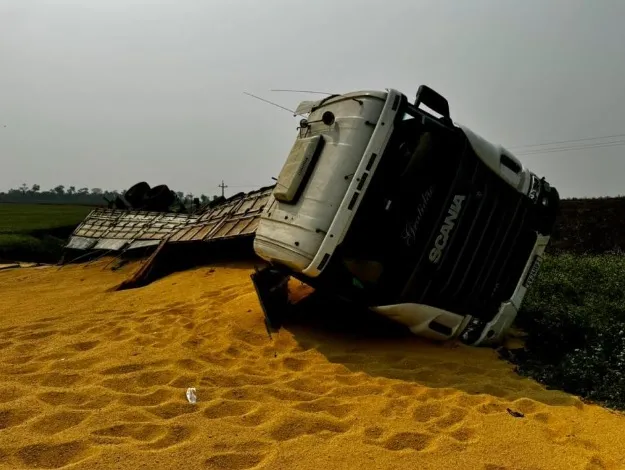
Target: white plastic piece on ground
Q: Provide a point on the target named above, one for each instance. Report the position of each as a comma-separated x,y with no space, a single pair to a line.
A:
191,396
417,317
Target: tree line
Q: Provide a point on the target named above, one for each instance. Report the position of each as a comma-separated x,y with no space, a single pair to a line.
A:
71,195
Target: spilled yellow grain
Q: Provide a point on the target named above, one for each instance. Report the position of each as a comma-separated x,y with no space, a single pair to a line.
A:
96,379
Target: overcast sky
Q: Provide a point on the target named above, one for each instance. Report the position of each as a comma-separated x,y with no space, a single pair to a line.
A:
105,93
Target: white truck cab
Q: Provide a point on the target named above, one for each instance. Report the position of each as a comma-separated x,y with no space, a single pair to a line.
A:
399,209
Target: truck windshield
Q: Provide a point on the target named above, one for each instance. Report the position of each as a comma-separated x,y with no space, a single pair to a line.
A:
395,208
414,137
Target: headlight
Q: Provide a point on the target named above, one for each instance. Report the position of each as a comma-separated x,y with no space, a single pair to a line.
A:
534,190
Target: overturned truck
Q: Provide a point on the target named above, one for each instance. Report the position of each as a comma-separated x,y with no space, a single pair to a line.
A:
383,202
391,205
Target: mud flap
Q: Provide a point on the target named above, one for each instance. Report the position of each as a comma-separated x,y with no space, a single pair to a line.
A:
271,288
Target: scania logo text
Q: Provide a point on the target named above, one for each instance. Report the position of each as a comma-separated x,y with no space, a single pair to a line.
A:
443,237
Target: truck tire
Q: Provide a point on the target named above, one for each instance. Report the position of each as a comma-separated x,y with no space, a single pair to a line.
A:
136,194
159,198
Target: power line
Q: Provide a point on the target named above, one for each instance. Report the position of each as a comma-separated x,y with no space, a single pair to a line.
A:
571,148
247,186
567,141
526,150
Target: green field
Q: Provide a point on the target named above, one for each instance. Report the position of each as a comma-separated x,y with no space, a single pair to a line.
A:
37,232
29,218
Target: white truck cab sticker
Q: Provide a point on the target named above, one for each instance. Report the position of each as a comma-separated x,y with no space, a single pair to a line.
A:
450,221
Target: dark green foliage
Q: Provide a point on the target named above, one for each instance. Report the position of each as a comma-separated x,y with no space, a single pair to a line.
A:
574,316
71,195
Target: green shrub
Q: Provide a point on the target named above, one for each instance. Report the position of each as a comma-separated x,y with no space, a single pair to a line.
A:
574,316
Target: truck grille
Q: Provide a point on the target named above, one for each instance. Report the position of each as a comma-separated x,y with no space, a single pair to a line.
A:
488,246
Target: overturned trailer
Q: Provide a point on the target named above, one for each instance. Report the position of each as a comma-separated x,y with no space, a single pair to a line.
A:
186,239
399,209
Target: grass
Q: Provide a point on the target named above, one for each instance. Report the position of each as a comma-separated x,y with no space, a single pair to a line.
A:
574,317
37,232
29,218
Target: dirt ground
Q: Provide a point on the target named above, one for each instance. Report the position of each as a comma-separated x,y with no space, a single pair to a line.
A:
94,379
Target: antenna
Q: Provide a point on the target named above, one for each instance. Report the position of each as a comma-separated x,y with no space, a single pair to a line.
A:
306,91
272,103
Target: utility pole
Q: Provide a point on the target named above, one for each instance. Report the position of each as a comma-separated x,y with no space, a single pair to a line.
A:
222,186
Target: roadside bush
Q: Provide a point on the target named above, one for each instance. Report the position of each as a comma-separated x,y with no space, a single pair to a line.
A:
574,317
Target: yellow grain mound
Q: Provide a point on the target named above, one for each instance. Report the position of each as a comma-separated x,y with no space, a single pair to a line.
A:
94,379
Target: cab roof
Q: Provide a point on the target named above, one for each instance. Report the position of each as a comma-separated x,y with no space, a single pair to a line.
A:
305,107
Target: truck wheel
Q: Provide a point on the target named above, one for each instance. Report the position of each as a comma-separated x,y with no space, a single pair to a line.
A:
159,198
135,195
